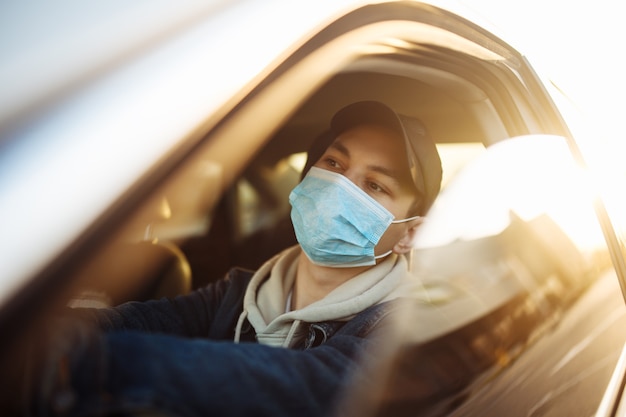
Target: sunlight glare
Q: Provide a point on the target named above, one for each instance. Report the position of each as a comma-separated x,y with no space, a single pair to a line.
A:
528,176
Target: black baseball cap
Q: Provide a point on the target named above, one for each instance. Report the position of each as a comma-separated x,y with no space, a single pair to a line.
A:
424,160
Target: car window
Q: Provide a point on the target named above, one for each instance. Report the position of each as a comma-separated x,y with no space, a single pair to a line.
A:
262,194
145,258
200,232
517,292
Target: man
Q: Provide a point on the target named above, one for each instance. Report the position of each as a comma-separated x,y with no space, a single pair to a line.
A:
355,215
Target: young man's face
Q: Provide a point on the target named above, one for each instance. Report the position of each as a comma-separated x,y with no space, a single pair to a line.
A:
374,158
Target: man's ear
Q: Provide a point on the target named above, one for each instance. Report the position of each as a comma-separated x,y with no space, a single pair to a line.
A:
405,244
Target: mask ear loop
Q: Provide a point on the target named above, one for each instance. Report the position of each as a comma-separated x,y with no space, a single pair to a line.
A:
406,220
409,255
382,255
410,259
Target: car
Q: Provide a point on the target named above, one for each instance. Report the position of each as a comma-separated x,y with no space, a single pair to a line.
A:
145,161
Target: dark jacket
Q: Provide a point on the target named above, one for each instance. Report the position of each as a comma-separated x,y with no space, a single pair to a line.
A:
212,312
171,355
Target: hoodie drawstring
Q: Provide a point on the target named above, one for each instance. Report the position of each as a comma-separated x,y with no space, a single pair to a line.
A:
292,332
242,317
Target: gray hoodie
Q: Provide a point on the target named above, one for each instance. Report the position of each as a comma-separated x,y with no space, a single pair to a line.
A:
265,300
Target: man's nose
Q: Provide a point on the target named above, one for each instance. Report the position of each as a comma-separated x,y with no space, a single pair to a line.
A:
354,176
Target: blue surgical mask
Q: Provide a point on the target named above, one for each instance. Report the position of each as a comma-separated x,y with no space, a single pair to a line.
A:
336,223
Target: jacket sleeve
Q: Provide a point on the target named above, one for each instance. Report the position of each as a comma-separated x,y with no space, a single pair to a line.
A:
189,315
252,379
191,377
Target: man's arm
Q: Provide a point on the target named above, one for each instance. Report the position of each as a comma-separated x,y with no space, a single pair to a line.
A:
189,315
91,372
128,372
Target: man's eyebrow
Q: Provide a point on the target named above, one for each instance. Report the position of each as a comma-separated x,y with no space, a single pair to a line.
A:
391,173
339,147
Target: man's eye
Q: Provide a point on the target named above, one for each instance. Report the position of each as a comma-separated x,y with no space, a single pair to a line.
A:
332,163
376,187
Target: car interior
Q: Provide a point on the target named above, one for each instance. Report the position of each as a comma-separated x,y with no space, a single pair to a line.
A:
221,202
198,235
221,206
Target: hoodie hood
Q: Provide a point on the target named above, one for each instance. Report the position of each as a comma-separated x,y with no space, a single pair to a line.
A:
266,297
